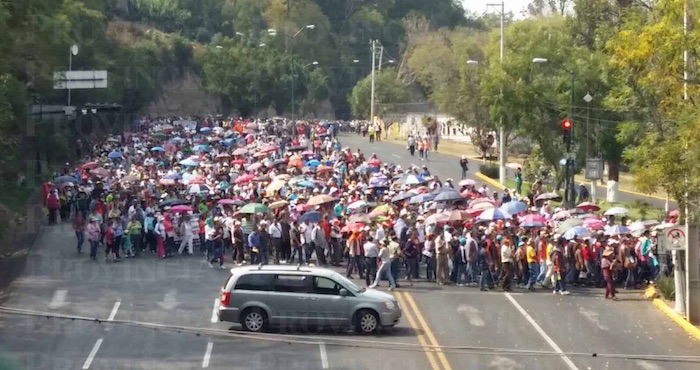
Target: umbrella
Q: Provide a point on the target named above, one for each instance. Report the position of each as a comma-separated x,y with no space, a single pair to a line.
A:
234,202
89,165
576,232
278,162
358,204
129,178
295,161
459,215
422,198
166,182
278,204
199,188
403,196
436,218
467,182
637,226
312,216
196,179
617,230
173,176
200,148
493,214
323,168
65,179
561,215
172,202
650,223
269,148
593,223
255,166
514,207
157,149
616,211
114,155
238,161
483,206
409,180
533,218
380,210
244,178
481,200
549,196
252,208
240,151
100,172
274,186
448,196
307,152
531,224
181,208
189,162
589,207
205,129
313,163
306,184
374,162
568,224
320,199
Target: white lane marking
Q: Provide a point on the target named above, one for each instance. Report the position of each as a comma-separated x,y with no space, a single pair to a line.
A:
207,355
113,314
59,299
504,363
593,317
324,355
92,354
395,155
472,314
646,365
539,329
169,300
214,316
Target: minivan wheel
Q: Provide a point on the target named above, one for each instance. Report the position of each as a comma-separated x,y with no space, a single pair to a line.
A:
254,320
366,322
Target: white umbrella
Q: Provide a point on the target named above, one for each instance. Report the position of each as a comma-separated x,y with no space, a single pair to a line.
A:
358,204
199,188
467,182
617,230
616,211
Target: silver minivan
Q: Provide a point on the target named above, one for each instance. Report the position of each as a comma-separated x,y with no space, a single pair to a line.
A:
262,296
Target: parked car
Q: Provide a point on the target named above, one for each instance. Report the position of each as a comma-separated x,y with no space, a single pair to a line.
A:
261,296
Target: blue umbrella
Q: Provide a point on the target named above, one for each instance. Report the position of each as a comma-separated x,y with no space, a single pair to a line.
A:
200,147
114,155
403,196
422,198
66,178
313,163
450,195
205,129
173,176
189,163
514,207
157,149
313,216
227,142
493,214
306,184
576,232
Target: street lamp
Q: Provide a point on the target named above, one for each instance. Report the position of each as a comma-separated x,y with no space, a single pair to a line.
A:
473,62
73,51
219,47
314,63
356,61
570,194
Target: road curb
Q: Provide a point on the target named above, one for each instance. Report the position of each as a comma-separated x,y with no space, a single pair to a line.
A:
689,328
490,180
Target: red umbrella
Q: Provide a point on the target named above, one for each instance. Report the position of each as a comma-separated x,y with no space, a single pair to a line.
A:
269,148
89,165
588,207
100,172
181,208
374,162
593,223
533,218
238,161
474,212
323,168
197,179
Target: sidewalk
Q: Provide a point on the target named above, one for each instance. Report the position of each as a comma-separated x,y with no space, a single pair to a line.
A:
458,149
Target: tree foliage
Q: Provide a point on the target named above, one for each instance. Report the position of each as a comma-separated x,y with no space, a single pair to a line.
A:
389,92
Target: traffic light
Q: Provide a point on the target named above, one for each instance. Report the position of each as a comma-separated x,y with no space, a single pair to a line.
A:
566,127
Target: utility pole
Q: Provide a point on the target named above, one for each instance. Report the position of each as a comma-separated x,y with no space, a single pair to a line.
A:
374,61
501,130
692,274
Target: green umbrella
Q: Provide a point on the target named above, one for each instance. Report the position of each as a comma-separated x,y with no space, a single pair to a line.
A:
568,224
159,135
252,208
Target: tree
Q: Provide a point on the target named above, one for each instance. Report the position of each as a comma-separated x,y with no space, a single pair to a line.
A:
389,92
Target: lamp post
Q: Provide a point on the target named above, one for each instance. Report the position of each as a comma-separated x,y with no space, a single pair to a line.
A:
569,195
501,130
273,32
72,52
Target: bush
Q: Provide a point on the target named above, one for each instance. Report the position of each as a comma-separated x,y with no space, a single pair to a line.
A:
489,170
666,287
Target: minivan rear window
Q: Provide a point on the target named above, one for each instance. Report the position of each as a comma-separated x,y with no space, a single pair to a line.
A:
254,282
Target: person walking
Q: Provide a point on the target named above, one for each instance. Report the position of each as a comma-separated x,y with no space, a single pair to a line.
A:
532,264
53,203
486,266
519,181
607,264
354,252
443,265
159,233
319,243
94,233
79,228
371,253
187,235
238,243
384,257
507,263
411,144
411,249
217,248
464,166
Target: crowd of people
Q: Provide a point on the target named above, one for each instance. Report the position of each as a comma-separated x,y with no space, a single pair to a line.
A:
288,192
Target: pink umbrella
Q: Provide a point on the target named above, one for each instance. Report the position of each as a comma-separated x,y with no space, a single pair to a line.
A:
269,148
181,208
588,207
307,152
474,212
374,162
593,223
533,218
481,200
244,178
240,151
561,215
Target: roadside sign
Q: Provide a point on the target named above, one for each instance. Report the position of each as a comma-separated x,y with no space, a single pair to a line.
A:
674,238
80,80
594,169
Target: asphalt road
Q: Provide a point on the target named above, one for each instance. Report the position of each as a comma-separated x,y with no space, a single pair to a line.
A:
156,314
447,165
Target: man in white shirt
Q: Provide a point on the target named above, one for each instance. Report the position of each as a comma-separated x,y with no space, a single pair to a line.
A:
385,268
275,231
371,254
306,238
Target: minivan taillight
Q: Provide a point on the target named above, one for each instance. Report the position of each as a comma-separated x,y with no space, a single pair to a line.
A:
225,298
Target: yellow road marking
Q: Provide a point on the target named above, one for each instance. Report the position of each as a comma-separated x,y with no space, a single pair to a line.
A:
419,333
426,329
